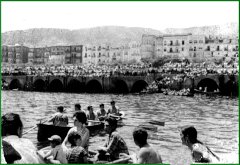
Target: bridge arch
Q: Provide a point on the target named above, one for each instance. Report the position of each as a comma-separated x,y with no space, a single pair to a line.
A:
56,85
209,83
94,86
75,86
39,85
15,84
139,85
119,86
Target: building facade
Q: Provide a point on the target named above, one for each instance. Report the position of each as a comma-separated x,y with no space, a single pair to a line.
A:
194,47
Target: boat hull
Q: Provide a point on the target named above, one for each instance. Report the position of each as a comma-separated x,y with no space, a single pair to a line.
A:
45,131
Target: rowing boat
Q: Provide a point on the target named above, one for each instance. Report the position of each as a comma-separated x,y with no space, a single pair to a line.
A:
45,130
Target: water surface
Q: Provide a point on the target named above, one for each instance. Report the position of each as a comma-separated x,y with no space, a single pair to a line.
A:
216,119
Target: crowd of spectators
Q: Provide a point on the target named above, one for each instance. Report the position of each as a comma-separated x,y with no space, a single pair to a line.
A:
189,70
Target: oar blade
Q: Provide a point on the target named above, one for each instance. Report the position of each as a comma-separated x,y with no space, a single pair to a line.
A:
148,127
160,123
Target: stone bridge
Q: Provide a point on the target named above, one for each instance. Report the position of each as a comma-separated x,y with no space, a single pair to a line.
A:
113,84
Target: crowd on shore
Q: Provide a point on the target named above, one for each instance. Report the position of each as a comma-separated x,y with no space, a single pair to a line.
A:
16,149
191,70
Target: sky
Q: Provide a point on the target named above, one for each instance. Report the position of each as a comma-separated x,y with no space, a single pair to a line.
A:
78,15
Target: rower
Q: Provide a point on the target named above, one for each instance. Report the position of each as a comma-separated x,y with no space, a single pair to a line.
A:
114,110
90,114
59,118
77,107
101,114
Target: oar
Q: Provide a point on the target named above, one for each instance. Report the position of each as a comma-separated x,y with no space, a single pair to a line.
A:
95,121
119,161
160,123
35,126
146,127
117,116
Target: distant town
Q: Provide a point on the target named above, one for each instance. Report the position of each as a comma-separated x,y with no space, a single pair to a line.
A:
196,48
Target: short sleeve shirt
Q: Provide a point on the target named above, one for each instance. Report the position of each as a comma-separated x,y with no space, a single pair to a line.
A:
116,145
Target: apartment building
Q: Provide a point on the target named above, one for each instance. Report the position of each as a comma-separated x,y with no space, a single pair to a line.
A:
148,46
175,45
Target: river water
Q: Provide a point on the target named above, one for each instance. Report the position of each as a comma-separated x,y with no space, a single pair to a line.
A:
216,119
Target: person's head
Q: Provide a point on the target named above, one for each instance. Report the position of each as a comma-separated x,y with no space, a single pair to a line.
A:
55,140
77,107
112,103
79,118
90,108
110,125
188,135
11,125
101,106
74,139
60,109
140,136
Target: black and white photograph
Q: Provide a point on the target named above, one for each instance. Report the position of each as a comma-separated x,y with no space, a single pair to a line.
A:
119,82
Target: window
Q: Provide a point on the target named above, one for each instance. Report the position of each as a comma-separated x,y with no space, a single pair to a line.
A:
170,50
190,41
200,41
165,49
195,41
165,42
99,55
86,55
182,49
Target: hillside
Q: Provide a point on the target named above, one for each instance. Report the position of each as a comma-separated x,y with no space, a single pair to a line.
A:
49,37
114,35
230,29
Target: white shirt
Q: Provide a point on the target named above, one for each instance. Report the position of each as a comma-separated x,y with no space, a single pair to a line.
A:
3,161
25,148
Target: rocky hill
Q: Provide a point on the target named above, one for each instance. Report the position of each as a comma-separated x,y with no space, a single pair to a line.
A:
230,29
114,35
49,37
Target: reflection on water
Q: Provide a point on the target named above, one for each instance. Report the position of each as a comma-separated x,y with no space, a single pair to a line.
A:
216,119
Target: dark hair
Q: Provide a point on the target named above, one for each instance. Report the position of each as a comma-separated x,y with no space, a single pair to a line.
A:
60,108
11,122
140,135
191,133
81,117
89,107
112,102
101,105
111,121
72,137
78,106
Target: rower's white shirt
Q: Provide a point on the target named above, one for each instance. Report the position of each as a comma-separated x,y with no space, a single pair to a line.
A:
25,148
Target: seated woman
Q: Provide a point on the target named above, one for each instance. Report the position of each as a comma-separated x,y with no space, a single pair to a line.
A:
76,154
200,152
80,120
